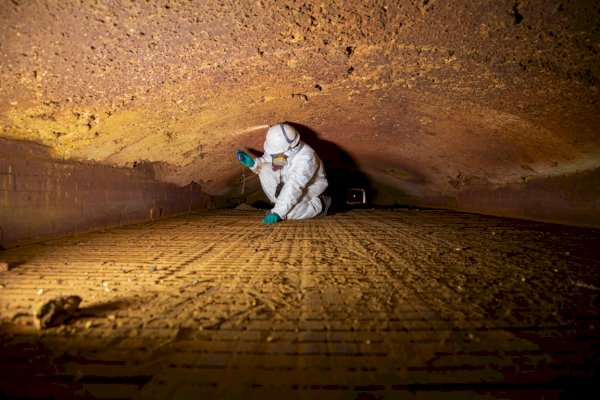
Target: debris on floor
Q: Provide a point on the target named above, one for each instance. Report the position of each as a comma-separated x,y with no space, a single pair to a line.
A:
56,311
245,207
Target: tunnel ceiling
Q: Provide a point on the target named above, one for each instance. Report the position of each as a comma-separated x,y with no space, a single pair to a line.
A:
427,97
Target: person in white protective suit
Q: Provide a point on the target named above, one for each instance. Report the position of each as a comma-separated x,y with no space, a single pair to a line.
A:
291,175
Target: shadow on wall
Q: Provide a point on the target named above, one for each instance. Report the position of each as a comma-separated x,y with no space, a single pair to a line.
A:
343,174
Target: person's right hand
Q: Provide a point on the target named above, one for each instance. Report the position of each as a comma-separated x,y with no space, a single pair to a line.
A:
245,158
271,219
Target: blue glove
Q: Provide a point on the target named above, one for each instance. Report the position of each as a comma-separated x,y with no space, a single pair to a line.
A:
245,159
271,219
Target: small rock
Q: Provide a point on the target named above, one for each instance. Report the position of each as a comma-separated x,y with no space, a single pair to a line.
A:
40,292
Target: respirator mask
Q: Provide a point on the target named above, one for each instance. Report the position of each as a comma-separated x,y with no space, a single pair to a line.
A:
278,161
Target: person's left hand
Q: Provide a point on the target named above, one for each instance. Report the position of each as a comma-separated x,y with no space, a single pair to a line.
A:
272,219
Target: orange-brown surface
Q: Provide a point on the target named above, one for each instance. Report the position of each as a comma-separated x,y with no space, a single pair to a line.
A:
486,106
433,100
361,305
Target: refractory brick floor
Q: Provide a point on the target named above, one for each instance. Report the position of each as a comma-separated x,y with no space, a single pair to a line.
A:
368,304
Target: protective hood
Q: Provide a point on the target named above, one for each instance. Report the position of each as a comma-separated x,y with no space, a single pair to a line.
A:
281,138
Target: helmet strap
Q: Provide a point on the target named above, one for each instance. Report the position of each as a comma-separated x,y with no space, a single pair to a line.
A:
287,139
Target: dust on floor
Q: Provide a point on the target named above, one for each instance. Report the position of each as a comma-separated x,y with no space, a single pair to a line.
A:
368,304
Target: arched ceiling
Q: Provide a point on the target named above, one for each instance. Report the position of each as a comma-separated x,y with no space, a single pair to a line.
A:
427,97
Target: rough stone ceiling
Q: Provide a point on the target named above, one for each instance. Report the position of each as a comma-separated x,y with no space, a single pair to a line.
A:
426,96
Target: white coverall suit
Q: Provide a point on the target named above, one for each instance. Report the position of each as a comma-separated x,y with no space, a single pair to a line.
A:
304,181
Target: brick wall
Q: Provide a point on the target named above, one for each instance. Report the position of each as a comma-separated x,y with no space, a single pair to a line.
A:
42,197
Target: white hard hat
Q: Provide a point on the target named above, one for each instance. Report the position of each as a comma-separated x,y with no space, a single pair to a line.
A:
281,138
